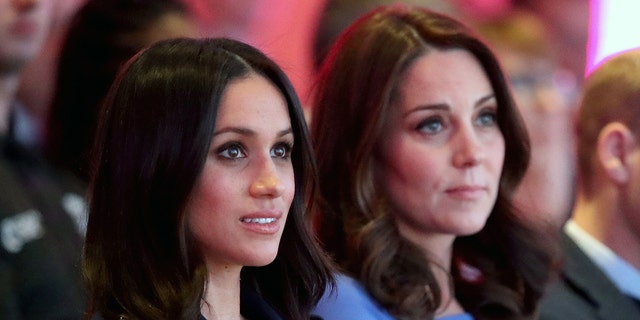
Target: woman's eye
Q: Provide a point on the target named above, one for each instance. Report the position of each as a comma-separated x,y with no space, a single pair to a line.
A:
282,150
431,125
487,119
233,151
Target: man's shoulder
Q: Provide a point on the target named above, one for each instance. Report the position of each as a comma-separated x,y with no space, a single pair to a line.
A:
583,291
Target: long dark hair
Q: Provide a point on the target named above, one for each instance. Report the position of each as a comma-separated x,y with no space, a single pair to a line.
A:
357,83
154,135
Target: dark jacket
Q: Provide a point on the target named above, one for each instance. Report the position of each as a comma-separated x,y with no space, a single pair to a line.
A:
40,243
584,292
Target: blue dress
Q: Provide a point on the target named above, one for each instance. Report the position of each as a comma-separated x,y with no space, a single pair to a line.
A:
351,301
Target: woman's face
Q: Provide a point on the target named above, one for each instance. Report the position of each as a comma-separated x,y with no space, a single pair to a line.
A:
239,206
442,155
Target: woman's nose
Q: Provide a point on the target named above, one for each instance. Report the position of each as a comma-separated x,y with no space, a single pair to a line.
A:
468,151
268,182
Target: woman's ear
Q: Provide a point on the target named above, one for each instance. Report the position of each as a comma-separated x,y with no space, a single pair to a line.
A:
615,144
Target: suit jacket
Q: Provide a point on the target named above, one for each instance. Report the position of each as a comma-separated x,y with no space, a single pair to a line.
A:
584,292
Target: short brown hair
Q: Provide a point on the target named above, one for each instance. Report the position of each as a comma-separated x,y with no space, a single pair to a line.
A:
611,94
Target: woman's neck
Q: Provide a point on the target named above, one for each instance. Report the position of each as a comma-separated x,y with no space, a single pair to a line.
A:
222,293
439,250
441,269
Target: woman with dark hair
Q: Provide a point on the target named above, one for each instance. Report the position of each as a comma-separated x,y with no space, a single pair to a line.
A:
420,149
203,171
102,36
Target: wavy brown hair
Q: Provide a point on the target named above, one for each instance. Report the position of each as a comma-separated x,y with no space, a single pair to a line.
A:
357,85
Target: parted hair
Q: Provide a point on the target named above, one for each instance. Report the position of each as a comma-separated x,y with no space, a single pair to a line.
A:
357,84
140,259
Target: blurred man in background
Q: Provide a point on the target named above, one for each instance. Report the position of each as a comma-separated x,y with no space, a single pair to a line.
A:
601,275
40,216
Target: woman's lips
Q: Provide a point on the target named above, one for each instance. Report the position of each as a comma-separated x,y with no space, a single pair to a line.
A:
467,192
263,223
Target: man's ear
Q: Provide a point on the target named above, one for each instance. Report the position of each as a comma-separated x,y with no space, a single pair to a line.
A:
615,143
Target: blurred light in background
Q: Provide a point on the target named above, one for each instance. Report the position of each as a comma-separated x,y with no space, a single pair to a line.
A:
614,27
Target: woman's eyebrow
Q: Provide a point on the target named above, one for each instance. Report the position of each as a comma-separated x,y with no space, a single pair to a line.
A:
423,107
248,132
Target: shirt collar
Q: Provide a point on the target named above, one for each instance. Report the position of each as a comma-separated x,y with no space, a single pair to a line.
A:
625,277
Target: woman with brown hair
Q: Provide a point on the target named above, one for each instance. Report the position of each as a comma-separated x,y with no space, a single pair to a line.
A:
420,149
